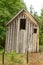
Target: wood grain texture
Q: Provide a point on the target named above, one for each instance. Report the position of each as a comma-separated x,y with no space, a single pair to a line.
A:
21,40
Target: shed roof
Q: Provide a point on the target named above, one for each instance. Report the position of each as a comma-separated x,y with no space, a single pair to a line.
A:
27,14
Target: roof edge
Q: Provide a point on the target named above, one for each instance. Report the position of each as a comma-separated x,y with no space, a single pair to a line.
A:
14,17
18,14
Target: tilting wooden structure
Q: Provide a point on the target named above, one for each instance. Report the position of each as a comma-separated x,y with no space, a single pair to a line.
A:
22,33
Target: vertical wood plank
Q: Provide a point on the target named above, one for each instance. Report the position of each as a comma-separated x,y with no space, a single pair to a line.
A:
38,38
17,46
9,39
13,36
14,33
6,40
29,36
9,44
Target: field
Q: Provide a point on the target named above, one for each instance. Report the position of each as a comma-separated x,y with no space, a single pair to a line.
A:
20,59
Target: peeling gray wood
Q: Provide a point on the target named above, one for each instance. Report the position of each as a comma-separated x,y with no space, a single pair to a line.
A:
21,40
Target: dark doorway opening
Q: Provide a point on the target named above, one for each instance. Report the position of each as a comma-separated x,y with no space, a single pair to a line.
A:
22,24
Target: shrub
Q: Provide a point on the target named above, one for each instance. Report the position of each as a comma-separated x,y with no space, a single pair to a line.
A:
41,48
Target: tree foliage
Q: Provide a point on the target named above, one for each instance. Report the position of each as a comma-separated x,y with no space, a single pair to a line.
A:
41,26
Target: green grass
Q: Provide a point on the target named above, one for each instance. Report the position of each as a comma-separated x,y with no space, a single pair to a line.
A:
12,58
1,51
41,48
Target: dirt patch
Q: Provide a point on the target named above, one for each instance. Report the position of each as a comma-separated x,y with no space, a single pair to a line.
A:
36,59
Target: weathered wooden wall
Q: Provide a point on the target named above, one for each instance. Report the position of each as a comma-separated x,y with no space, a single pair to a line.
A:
21,40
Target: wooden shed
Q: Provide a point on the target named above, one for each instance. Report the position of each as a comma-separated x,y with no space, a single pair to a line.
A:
22,33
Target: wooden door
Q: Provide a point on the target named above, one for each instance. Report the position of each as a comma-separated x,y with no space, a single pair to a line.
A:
22,41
